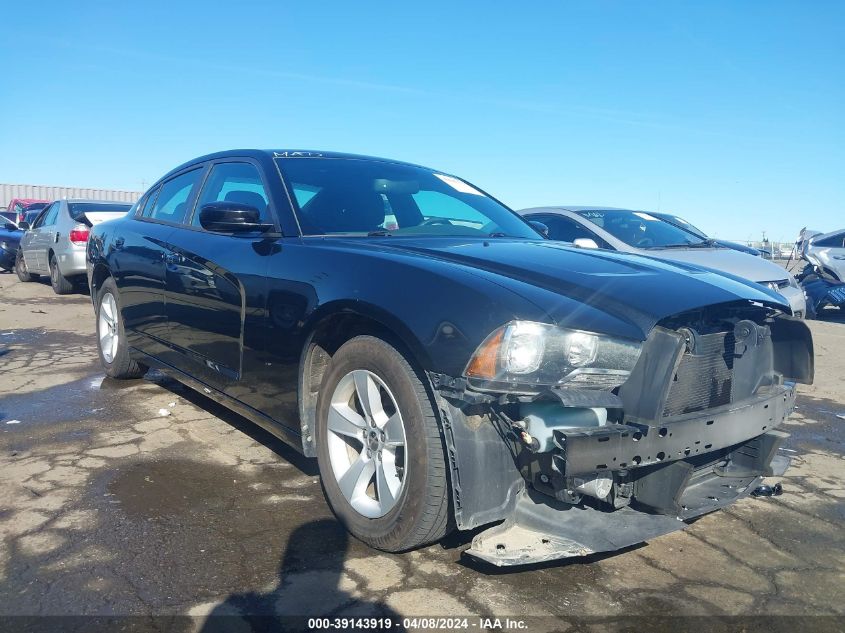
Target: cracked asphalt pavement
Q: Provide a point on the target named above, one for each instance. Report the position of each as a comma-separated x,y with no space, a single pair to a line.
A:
108,506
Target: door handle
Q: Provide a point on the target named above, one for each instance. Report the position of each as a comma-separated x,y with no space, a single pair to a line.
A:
172,258
57,236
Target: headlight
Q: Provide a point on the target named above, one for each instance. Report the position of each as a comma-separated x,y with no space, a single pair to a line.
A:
524,357
4,246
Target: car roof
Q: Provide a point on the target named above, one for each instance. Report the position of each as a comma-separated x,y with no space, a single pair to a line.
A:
570,207
281,153
91,201
823,236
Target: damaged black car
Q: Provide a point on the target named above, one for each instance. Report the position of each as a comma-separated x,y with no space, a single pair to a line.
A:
448,366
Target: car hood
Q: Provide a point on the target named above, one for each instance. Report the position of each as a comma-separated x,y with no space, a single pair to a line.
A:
10,236
634,290
725,260
742,248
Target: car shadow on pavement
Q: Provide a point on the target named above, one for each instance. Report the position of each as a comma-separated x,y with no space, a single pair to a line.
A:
312,583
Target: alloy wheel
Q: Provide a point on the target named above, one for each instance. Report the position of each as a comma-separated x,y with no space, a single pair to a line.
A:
366,443
107,327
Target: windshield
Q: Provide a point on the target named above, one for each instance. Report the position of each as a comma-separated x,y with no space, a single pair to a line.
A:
35,206
79,209
681,223
642,230
343,196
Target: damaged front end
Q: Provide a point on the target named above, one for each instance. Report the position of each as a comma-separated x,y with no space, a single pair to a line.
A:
630,440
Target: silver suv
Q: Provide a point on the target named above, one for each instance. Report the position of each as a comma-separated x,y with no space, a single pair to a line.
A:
55,243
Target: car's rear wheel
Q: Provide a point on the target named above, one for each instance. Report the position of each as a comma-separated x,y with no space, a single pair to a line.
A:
61,284
111,338
20,268
379,448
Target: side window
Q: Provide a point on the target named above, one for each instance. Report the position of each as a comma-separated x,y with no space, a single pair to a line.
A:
234,182
171,204
568,230
834,241
49,218
39,221
149,203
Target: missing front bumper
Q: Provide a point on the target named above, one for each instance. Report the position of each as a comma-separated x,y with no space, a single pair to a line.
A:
542,529
662,495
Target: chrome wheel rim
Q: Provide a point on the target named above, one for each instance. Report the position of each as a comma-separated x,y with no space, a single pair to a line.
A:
366,443
107,327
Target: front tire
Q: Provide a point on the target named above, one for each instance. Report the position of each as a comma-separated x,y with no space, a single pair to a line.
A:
111,338
21,270
379,448
61,284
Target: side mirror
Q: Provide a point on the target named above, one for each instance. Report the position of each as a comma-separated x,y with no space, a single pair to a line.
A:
231,217
541,228
585,242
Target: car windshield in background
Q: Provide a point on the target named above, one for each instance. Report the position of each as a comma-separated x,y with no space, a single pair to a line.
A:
350,196
681,223
642,230
79,209
36,206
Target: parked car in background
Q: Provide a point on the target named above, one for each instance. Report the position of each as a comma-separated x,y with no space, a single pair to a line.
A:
447,366
55,244
9,216
19,206
640,232
29,218
683,224
10,239
827,251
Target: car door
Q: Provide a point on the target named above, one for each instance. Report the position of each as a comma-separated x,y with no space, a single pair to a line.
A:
28,242
143,253
216,284
36,242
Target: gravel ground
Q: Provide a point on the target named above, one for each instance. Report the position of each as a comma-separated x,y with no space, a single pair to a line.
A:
109,508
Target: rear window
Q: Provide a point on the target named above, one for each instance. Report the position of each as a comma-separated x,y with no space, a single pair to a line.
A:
79,209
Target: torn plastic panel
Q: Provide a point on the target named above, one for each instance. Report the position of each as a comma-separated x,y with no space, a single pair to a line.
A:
690,431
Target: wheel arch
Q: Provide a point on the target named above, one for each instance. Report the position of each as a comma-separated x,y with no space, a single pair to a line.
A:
99,273
330,328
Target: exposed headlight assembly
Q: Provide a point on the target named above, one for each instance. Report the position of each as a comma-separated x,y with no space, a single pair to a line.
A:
524,356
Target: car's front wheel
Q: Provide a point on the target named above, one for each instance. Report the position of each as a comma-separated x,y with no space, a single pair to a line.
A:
20,268
111,337
379,448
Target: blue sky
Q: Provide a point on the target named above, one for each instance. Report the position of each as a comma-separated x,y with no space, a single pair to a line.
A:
731,114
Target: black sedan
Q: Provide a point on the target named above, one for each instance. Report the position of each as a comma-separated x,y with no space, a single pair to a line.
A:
446,365
10,239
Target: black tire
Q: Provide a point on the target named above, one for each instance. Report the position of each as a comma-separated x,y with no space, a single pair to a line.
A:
420,515
20,269
122,366
61,284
